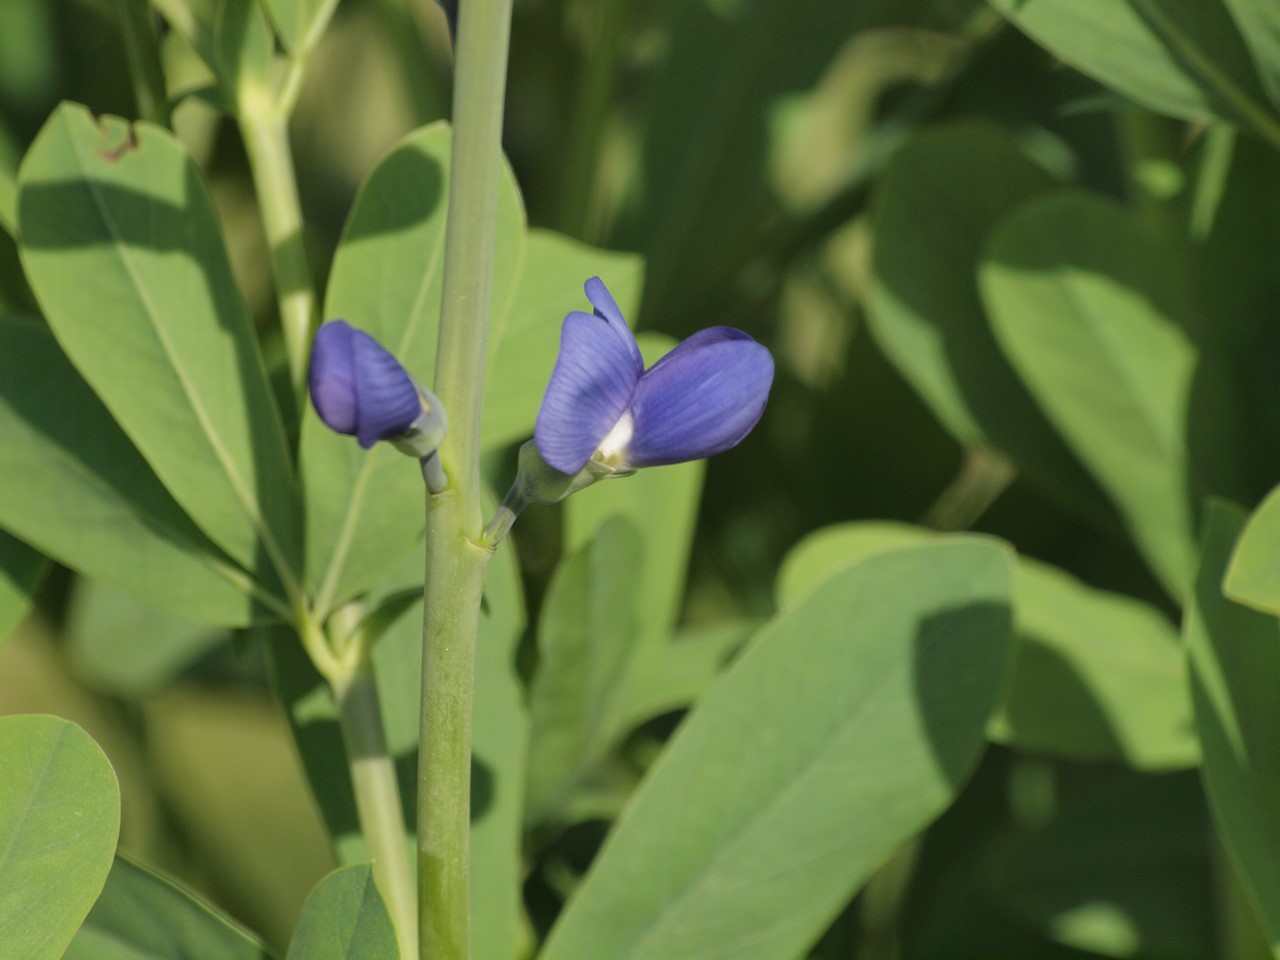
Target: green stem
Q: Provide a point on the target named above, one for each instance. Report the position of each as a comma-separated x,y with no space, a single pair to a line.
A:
265,127
454,584
456,564
373,774
141,49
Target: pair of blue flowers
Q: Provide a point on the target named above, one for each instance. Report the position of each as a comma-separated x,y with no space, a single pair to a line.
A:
603,414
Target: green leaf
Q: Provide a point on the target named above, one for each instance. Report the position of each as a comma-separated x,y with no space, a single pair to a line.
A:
1184,59
194,20
144,916
1235,671
1259,22
683,670
59,817
926,315
1094,675
828,550
586,639
848,724
21,570
526,341
345,919
121,243
127,649
364,508
76,489
1084,303
1121,870
1253,574
301,23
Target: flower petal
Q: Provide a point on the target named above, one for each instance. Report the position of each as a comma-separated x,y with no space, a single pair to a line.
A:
700,399
591,385
332,378
387,398
606,308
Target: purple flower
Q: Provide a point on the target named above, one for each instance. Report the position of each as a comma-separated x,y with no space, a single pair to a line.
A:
604,408
361,390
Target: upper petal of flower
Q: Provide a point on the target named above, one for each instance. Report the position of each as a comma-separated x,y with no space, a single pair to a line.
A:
358,387
700,399
591,386
606,308
332,378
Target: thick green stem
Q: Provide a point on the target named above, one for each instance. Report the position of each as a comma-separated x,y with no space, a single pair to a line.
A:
142,51
454,584
265,127
455,562
373,774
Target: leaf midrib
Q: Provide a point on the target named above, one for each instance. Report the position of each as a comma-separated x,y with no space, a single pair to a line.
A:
839,730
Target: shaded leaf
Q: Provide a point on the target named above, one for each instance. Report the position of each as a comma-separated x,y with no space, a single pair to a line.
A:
1085,305
345,919
21,570
144,916
1235,669
1184,59
586,638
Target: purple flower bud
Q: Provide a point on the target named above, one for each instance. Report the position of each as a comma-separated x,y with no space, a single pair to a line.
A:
361,390
603,407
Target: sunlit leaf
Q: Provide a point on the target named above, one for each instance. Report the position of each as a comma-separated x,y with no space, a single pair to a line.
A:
59,817
847,725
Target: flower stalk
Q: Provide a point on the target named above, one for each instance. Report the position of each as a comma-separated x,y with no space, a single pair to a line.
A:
373,777
455,561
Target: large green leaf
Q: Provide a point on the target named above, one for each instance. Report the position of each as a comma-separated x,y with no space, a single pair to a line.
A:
75,488
1185,59
926,314
1253,575
121,243
345,919
586,639
143,916
1094,675
21,570
1235,670
59,817
1087,308
847,725
364,508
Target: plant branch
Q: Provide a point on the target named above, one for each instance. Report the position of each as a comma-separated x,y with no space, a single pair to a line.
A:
455,563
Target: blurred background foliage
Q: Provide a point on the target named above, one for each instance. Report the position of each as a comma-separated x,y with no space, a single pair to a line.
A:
800,169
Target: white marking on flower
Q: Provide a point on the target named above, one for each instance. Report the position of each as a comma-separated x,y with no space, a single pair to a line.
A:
612,451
